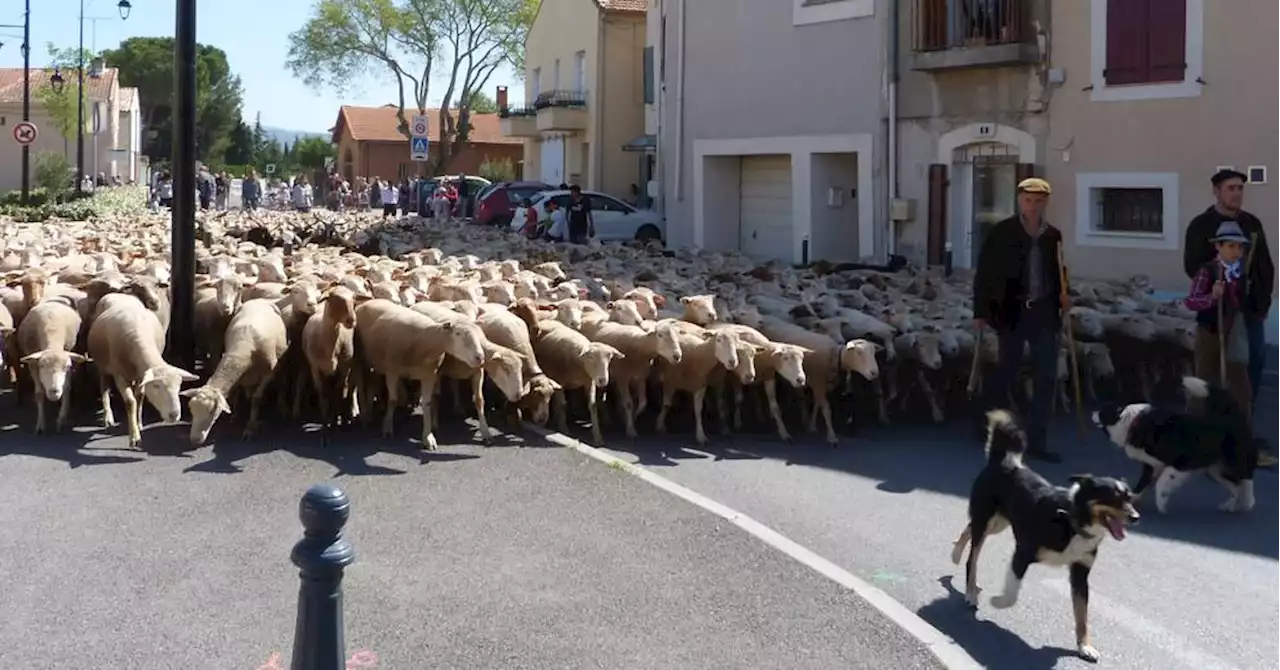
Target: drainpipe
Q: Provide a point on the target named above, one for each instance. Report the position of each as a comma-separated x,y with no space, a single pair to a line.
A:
891,192
659,203
679,171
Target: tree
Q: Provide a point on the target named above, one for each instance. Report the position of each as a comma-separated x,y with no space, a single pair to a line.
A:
147,63
311,152
53,174
241,149
481,103
60,106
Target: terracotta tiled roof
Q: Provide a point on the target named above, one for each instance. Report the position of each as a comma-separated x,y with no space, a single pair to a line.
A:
379,124
127,97
624,5
95,88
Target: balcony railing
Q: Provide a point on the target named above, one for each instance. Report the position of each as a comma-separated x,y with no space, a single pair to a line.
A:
957,24
569,99
517,112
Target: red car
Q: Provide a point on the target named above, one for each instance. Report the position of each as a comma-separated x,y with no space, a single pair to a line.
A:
498,203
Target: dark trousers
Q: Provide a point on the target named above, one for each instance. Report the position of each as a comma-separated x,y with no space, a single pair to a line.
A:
1040,329
1257,354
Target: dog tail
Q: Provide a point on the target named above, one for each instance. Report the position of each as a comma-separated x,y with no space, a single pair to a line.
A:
1195,387
1006,443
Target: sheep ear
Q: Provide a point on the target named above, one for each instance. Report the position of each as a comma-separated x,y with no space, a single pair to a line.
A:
148,377
184,375
223,404
189,393
80,358
685,300
31,358
806,352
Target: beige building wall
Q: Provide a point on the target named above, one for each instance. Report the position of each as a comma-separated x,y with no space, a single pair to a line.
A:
562,29
620,114
50,140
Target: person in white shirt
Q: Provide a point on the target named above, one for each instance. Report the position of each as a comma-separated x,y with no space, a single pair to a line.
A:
440,203
389,198
559,230
302,195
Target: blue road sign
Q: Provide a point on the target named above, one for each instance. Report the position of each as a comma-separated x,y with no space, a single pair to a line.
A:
418,148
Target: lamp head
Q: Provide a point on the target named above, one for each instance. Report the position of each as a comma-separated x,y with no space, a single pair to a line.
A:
125,7
56,81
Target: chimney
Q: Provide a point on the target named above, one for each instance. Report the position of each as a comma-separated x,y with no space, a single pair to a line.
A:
501,98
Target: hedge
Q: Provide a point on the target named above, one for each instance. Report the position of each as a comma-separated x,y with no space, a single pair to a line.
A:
117,201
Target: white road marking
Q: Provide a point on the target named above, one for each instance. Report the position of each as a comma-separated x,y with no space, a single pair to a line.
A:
948,652
1158,636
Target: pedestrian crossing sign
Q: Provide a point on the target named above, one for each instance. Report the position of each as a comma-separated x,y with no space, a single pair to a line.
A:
418,148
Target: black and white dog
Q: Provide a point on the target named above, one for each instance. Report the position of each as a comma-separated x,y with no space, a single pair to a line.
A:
1053,525
1212,435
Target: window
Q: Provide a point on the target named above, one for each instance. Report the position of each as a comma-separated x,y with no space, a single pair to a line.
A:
580,71
805,12
601,203
1128,210
536,82
662,52
648,76
1146,49
1257,174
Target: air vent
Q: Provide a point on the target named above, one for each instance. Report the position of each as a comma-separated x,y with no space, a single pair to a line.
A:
1257,174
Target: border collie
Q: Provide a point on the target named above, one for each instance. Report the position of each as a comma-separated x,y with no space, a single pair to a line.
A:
1054,525
1212,435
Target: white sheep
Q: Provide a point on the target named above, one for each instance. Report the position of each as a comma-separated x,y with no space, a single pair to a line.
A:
703,350
125,343
327,341
47,336
574,362
628,373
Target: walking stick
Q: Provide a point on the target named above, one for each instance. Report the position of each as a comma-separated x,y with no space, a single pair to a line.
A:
1071,345
1222,328
976,365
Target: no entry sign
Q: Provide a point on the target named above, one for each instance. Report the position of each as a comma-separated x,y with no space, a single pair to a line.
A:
25,133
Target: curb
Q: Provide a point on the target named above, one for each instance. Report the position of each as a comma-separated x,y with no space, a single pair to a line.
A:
946,650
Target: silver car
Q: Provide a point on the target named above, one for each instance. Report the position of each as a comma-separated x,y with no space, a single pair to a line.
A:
615,220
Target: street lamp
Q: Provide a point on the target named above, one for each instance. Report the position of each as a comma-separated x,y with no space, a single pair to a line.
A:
124,6
56,82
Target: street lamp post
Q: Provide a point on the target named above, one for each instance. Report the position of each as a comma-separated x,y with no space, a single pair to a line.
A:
182,231
26,97
125,7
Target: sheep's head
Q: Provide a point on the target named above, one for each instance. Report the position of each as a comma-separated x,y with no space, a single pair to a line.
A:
537,398
788,360
506,369
465,342
668,342
500,292
1086,323
700,309
271,269
550,270
1138,327
859,357
227,292
928,351
508,268
726,348
467,308
52,369
568,290
745,371
340,306
305,298
161,386
748,315
431,256
596,360
1098,361
525,287
646,301
206,404
569,312
625,312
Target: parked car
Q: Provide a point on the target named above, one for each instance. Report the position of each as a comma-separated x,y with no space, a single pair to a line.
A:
475,185
614,219
498,202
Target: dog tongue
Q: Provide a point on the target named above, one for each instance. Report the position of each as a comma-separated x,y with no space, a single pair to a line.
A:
1116,528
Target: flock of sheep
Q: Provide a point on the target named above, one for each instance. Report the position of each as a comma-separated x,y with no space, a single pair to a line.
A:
364,316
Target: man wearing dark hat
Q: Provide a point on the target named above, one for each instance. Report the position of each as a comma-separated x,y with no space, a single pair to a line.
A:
1259,273
1018,296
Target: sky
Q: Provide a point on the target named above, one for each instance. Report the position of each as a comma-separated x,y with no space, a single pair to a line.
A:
254,34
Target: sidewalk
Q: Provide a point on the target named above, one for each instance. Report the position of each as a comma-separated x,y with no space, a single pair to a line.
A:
504,557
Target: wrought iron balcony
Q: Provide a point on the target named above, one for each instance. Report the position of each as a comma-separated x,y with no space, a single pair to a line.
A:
518,121
954,34
517,112
563,99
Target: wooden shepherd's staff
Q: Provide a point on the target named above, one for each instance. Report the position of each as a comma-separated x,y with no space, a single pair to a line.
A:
1071,343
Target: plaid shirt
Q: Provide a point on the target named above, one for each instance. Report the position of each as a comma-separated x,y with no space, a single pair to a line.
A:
1201,297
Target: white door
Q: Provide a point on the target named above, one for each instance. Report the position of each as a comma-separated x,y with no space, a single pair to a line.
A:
552,167
764,208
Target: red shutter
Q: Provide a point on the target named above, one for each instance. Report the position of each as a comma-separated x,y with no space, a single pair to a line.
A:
937,236
1167,50
1128,30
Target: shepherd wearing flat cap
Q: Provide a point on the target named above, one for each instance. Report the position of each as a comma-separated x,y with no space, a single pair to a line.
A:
1018,294
1258,273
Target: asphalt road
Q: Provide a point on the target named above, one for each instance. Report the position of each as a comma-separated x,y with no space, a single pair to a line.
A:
1196,589
505,557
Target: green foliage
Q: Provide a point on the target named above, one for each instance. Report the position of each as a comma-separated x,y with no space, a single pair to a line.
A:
500,170
53,173
118,201
35,197
310,152
481,103
61,106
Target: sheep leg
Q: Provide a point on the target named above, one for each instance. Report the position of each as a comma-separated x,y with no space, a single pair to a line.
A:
824,405
638,391
699,397
130,412
668,396
65,409
428,431
39,395
739,393
477,399
627,405
255,406
882,407
1144,377
722,410
458,407
299,388
318,382
930,396
108,417
560,407
596,435
771,395
813,412
392,401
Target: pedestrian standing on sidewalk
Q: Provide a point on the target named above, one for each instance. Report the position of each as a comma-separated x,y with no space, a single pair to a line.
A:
250,191
464,199
1260,273
581,227
1018,297
1221,280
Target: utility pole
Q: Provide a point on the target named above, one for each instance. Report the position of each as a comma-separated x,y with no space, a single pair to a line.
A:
183,228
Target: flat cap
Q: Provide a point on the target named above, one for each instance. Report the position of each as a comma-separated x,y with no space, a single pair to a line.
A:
1034,185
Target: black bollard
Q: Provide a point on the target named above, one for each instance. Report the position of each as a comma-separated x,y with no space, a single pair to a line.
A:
321,556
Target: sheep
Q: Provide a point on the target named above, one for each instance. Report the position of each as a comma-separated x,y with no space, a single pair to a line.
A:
703,350
397,342
216,301
47,337
514,329
772,359
124,343
328,342
504,366
919,355
574,362
639,348
699,310
254,343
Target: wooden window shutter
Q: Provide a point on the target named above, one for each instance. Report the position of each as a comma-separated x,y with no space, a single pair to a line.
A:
1025,171
1128,37
935,248
1167,48
649,94
931,25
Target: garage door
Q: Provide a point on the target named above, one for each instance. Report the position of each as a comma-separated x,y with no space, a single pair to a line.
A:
765,208
552,168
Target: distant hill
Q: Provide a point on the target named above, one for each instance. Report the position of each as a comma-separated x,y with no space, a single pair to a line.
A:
284,135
